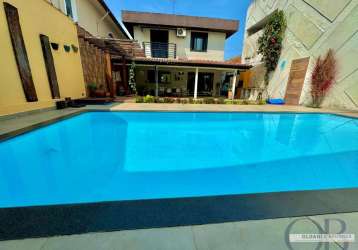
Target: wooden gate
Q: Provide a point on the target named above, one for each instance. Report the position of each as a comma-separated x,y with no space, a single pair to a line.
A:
296,80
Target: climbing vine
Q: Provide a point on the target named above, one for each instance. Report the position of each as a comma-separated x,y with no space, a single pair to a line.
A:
270,43
131,80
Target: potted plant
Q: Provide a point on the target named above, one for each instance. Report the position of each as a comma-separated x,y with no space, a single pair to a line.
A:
92,87
100,92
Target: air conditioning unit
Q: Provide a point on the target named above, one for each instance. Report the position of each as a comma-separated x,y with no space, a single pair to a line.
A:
181,32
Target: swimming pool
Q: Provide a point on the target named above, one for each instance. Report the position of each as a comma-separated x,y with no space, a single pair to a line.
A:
113,156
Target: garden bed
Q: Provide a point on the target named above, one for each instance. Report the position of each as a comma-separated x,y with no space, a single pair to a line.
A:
206,100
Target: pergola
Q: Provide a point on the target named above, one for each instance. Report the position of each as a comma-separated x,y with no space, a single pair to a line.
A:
226,66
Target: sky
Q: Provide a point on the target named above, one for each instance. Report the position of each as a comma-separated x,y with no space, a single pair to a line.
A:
231,9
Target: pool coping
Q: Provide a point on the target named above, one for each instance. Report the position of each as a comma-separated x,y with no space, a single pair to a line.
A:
54,220
37,125
16,132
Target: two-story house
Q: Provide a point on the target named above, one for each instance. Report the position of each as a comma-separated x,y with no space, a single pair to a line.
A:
184,55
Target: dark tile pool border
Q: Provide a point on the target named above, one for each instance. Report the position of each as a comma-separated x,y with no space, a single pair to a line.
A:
46,221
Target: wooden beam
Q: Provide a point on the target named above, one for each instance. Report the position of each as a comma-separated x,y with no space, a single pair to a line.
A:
109,77
124,73
50,66
19,48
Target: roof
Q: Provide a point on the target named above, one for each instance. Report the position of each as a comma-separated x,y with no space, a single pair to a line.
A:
116,47
131,18
191,63
236,59
114,19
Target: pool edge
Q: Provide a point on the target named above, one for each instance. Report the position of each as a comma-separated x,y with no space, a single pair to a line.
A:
8,135
46,221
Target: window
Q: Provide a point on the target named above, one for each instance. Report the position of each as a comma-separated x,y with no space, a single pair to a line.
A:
70,7
69,11
163,76
199,41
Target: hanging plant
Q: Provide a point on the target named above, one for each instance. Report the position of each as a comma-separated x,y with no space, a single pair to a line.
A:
270,43
323,77
131,81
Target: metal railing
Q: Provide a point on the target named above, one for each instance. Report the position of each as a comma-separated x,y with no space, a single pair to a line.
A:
160,50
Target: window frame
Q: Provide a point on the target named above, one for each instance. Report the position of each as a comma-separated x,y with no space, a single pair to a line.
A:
73,9
204,36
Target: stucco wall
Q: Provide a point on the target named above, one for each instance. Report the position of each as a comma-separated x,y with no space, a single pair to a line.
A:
89,14
215,50
59,29
314,26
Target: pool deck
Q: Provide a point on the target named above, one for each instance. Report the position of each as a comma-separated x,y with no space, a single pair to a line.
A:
244,235
15,124
127,106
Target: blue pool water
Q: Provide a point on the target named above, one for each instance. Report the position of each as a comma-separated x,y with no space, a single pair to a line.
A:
106,156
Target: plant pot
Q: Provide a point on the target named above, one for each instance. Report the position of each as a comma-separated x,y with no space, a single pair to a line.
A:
100,93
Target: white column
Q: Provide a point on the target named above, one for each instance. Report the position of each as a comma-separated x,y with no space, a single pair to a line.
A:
156,82
234,84
196,83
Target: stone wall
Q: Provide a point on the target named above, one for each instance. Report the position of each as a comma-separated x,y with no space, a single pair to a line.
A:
314,26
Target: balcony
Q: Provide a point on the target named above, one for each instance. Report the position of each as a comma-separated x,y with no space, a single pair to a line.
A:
160,50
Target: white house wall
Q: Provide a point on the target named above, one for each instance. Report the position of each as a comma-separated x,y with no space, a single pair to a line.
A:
215,49
314,26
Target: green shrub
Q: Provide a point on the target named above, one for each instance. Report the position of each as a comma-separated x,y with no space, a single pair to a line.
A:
149,99
159,100
139,99
228,101
191,100
177,100
168,100
209,100
261,102
198,101
184,101
220,100
245,102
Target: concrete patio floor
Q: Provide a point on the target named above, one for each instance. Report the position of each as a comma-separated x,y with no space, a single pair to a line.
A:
245,235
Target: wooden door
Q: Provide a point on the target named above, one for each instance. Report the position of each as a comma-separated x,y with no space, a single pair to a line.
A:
18,45
296,80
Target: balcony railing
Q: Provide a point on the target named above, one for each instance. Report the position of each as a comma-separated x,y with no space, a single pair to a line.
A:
160,50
